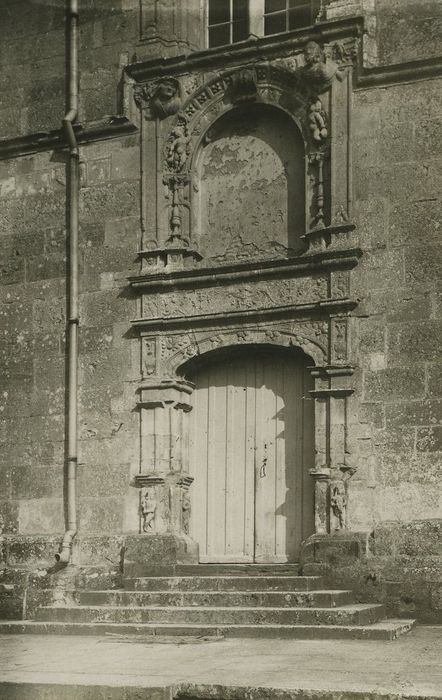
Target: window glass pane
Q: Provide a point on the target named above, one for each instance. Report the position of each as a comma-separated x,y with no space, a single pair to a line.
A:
274,5
240,10
219,11
220,35
273,24
301,17
299,3
240,30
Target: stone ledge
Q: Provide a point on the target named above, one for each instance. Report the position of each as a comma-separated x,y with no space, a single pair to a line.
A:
107,128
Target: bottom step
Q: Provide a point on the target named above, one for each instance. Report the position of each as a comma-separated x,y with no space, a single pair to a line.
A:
385,630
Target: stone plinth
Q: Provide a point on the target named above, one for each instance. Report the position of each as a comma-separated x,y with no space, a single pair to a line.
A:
146,554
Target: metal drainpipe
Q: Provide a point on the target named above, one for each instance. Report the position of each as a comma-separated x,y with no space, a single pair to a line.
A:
72,193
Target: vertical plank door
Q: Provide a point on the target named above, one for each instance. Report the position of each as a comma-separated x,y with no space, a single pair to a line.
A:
251,447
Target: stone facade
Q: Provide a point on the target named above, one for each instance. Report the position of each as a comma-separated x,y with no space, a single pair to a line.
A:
188,246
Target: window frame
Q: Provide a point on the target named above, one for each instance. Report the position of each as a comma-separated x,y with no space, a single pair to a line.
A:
256,19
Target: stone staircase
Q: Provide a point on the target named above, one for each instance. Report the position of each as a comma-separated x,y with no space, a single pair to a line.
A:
222,600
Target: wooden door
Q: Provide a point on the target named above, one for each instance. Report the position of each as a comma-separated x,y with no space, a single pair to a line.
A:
251,448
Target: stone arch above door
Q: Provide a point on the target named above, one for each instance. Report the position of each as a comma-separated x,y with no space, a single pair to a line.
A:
179,348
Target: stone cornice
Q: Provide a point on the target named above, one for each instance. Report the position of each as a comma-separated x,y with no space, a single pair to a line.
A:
224,318
106,128
398,73
250,50
220,275
266,48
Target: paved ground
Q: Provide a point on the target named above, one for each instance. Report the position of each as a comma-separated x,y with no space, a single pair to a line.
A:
411,665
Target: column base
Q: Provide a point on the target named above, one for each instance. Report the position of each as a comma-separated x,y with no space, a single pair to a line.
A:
156,554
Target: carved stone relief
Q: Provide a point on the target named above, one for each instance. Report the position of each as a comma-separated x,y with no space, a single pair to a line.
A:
318,71
148,508
339,336
236,297
298,88
244,86
148,356
338,503
162,98
340,284
310,336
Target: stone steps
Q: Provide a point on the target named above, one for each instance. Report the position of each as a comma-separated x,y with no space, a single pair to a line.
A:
237,569
238,582
230,600
386,630
262,599
213,615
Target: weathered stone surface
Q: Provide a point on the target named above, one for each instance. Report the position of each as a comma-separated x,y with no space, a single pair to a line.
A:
401,568
408,539
394,383
407,30
31,550
141,552
414,343
263,294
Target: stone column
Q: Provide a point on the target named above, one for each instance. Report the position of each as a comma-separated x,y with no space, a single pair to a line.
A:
331,469
163,481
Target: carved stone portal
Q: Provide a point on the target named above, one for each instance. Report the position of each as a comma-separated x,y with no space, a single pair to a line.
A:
213,279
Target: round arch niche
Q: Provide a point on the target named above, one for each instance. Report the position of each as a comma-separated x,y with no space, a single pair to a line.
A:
251,448
251,185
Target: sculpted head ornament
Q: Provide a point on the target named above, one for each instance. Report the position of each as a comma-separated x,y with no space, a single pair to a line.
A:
166,98
317,73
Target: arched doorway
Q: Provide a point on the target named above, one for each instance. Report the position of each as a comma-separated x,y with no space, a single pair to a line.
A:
251,446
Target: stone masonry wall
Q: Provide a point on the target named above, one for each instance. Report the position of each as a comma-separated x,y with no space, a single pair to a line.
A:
397,171
397,185
33,291
396,494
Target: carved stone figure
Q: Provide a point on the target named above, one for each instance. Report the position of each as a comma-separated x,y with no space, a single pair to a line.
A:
166,98
148,508
177,148
185,510
338,502
316,72
317,122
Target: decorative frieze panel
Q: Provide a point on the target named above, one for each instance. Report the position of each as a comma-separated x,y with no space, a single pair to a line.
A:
260,295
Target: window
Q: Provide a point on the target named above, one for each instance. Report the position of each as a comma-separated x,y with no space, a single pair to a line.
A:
284,15
230,21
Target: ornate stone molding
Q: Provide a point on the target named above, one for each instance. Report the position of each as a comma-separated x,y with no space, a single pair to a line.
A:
346,31
327,258
179,348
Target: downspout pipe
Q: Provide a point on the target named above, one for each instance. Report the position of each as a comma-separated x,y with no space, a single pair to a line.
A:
72,196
